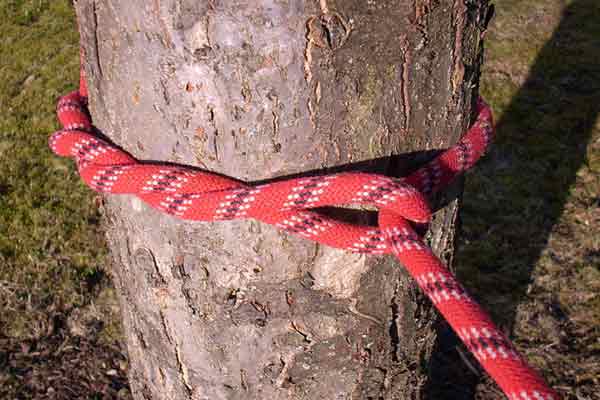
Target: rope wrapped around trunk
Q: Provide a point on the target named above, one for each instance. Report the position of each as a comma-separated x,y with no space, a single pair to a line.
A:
193,194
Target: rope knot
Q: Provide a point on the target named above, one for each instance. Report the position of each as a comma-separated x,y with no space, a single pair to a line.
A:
194,194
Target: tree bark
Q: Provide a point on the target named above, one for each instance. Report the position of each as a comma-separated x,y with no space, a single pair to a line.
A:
258,90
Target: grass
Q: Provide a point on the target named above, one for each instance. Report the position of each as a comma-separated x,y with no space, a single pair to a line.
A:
530,247
48,237
51,251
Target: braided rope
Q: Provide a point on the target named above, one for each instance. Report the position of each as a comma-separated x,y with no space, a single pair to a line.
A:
192,194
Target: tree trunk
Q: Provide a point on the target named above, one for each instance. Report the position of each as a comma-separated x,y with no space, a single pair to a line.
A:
257,90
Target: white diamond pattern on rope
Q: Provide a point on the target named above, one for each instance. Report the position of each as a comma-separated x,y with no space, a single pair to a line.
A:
304,224
236,204
106,178
306,193
373,243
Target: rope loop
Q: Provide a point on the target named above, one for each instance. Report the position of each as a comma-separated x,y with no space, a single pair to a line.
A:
193,194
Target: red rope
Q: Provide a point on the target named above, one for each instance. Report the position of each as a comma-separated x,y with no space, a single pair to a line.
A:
198,195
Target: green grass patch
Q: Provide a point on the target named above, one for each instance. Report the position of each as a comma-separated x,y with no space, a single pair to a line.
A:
50,249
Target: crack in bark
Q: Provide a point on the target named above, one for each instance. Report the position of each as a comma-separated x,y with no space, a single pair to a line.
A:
422,10
308,50
168,42
337,30
183,371
352,308
244,379
286,362
459,27
449,234
163,321
182,368
96,40
179,272
318,92
215,145
213,123
140,337
307,336
275,124
190,302
143,256
308,77
164,91
404,82
394,337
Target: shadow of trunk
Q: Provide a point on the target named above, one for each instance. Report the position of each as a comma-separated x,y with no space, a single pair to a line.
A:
519,192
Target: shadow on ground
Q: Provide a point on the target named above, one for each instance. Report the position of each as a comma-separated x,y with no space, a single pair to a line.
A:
515,198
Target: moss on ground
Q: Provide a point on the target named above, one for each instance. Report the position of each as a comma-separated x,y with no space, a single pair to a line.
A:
530,249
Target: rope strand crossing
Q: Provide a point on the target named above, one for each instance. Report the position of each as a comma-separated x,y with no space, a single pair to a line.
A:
192,194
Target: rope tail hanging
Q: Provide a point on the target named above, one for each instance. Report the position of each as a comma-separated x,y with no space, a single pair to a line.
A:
192,194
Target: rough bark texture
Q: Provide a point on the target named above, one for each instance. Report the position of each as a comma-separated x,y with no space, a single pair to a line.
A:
257,90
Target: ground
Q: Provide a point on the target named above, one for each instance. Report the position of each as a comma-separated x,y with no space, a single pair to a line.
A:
530,243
